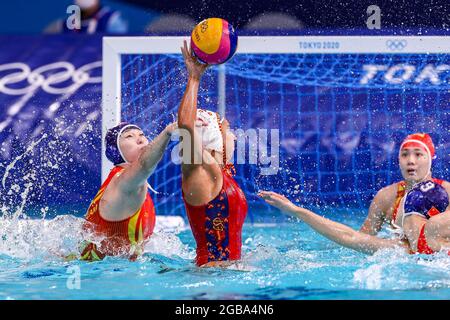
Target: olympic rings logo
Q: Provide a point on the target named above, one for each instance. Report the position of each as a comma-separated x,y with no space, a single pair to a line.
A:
51,78
396,44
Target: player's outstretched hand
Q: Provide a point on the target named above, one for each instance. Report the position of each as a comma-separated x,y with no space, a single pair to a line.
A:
170,128
193,66
279,201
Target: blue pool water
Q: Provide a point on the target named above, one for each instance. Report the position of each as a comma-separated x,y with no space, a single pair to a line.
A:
281,261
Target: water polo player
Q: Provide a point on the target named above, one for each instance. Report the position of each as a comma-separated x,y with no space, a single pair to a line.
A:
121,216
416,153
216,206
425,222
415,156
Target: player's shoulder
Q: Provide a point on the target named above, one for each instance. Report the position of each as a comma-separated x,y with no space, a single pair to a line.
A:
390,191
387,195
114,182
445,184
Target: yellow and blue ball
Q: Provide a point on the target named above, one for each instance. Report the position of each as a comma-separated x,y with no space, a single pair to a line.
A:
214,41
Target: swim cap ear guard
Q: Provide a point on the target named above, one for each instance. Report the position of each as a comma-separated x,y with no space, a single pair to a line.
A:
208,125
211,132
112,150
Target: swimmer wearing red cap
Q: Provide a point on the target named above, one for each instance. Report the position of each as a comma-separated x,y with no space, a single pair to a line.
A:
416,154
215,204
121,216
426,222
424,212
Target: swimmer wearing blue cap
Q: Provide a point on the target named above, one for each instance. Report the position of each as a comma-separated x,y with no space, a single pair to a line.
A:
122,213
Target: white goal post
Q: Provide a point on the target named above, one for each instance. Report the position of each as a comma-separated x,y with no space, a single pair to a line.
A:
114,47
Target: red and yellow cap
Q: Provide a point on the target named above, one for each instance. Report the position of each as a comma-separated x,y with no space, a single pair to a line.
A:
422,141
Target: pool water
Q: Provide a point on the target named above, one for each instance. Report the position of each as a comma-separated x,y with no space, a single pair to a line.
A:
280,261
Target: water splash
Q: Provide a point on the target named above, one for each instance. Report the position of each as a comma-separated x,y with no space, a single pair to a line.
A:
54,239
169,245
29,150
31,239
393,269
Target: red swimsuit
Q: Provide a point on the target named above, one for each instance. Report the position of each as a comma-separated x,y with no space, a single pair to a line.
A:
125,237
217,225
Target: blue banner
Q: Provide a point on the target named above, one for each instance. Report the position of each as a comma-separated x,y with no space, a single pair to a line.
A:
50,122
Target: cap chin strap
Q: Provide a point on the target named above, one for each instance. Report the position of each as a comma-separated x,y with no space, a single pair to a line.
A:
229,167
151,188
428,153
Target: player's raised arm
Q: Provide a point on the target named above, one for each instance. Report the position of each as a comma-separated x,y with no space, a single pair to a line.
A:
136,174
187,112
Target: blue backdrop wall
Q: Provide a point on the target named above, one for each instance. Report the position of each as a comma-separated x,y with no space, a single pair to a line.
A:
50,117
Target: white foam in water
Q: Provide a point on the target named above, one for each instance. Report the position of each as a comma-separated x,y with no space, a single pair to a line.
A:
440,261
168,245
164,240
383,270
29,239
303,260
260,253
198,284
369,278
392,269
170,223
54,239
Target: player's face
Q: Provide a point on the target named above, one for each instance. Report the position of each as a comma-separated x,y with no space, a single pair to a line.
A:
229,139
131,144
414,163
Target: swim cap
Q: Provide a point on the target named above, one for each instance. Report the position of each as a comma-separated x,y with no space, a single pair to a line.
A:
208,125
113,152
422,141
